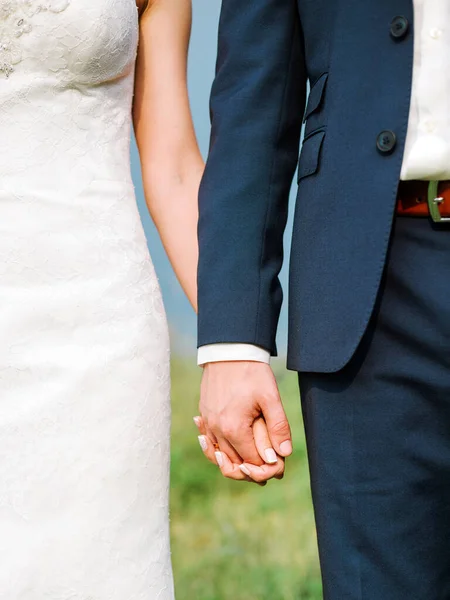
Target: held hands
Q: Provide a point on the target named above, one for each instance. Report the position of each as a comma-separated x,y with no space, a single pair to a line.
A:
243,427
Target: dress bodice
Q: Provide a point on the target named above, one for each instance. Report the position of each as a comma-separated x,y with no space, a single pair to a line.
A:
66,87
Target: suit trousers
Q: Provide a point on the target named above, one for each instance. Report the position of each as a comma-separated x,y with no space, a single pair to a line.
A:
378,435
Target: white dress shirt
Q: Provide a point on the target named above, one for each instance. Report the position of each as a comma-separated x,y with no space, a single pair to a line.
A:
427,148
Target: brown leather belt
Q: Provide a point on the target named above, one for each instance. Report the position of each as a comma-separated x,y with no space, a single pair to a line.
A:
424,199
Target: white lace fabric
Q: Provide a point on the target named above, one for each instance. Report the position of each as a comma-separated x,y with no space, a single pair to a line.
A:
84,353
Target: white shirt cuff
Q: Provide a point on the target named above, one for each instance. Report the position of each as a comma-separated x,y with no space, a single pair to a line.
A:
228,352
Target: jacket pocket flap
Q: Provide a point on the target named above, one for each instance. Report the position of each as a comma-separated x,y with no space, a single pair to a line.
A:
315,95
309,156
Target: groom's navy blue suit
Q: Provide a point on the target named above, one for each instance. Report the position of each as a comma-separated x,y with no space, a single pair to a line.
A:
369,296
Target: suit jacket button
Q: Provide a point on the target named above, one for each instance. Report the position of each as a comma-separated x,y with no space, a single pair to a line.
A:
399,27
386,141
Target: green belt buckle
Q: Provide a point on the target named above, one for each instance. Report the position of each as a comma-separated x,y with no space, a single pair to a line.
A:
433,203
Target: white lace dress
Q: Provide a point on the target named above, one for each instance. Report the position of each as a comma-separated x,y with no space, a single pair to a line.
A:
84,350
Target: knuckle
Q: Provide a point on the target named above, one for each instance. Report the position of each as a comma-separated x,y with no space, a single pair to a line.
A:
265,402
281,427
270,396
212,423
281,470
228,428
229,432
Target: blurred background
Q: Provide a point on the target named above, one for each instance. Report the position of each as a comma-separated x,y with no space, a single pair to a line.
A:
230,541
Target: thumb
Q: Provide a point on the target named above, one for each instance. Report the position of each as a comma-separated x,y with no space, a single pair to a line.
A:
262,441
277,426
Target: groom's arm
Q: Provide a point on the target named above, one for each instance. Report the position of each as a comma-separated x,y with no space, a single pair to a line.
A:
257,103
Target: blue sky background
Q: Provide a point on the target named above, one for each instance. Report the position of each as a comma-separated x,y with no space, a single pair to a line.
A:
202,58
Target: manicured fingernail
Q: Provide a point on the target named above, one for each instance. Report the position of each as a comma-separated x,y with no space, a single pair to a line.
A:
203,442
271,457
197,421
219,458
245,470
286,448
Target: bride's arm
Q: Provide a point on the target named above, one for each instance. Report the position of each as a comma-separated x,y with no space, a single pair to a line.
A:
171,162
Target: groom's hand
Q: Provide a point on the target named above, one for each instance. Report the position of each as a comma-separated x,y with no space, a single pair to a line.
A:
242,412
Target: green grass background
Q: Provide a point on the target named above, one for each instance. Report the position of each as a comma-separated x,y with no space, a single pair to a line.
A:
237,541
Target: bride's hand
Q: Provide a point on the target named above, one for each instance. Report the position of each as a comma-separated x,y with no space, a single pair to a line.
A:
244,471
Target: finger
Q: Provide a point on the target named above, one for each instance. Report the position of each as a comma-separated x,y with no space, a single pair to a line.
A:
264,473
211,454
228,468
232,440
210,445
223,444
263,443
232,470
277,425
228,449
206,433
210,451
267,454
243,442
208,448
201,425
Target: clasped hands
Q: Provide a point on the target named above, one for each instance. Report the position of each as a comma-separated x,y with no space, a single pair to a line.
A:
242,424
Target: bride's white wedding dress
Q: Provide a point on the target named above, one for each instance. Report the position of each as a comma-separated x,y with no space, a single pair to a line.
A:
84,351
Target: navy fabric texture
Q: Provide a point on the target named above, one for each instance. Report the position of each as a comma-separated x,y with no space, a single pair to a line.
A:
378,435
360,79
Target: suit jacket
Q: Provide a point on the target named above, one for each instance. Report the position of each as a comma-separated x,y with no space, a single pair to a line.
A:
358,58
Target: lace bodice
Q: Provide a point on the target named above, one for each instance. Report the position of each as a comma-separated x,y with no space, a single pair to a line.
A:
16,16
66,86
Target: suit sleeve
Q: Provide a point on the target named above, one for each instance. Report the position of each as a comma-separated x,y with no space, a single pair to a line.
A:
257,104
